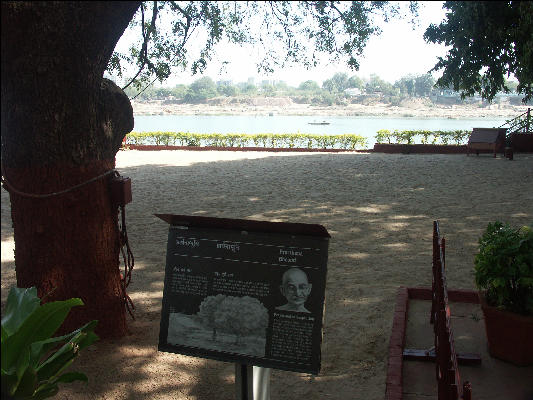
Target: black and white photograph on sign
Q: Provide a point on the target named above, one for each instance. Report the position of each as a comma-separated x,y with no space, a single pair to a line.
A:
223,323
296,288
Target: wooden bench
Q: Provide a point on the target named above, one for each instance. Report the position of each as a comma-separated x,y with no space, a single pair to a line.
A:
486,139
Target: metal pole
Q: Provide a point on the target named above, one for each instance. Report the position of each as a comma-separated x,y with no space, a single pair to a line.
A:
528,120
262,383
244,382
252,383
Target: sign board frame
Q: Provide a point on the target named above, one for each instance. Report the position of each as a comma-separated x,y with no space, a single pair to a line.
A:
224,276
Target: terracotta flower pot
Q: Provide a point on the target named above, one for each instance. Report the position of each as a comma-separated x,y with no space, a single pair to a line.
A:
509,335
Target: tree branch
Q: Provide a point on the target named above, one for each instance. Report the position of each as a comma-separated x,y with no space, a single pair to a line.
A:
189,19
146,39
185,38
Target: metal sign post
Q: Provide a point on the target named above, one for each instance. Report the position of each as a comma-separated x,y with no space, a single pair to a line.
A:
261,380
252,383
244,382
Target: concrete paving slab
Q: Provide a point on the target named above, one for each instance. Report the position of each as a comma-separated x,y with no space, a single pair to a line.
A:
492,380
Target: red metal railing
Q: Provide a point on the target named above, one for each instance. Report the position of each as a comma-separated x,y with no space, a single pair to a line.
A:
447,371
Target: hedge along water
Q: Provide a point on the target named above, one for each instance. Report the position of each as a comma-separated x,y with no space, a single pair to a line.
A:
294,140
268,140
366,126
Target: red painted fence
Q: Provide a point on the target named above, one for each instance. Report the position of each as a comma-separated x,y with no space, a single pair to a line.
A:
447,371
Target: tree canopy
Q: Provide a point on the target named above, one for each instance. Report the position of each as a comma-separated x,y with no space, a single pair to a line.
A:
489,40
184,34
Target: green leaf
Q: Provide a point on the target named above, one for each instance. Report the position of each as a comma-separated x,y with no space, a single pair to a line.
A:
9,380
21,302
4,334
45,391
40,325
66,354
60,359
23,362
41,348
27,384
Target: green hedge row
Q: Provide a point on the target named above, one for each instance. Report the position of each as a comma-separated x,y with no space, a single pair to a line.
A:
426,137
270,140
295,140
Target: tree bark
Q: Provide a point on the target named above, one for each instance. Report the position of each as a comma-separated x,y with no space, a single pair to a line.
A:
62,124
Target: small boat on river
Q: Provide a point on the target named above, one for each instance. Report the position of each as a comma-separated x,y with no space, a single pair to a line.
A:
318,123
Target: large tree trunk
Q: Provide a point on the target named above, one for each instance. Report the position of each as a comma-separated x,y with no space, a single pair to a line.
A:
62,124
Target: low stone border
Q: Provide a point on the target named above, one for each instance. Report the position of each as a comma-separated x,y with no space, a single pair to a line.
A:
394,386
378,148
522,142
420,148
216,148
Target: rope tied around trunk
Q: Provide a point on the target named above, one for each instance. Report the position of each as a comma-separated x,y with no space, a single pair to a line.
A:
10,188
125,248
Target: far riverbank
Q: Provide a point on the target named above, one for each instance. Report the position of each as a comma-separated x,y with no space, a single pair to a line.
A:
284,106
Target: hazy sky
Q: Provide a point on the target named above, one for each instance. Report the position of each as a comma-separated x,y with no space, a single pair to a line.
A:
397,52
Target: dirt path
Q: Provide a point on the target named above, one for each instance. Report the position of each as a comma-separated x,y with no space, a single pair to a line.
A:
378,209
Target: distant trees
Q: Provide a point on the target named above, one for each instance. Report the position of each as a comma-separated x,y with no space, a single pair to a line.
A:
309,86
415,86
201,90
333,90
247,88
378,85
423,85
268,90
240,316
179,91
337,83
227,90
406,85
355,82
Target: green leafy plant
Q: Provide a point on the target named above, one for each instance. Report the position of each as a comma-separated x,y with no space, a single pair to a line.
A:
270,140
34,362
426,137
383,135
504,267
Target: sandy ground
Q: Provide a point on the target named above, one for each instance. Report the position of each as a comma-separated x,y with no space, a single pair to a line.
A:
417,108
378,209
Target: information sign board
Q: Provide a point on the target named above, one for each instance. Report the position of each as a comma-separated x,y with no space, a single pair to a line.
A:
250,292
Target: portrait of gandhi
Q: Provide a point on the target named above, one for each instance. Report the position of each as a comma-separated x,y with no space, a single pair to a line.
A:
296,288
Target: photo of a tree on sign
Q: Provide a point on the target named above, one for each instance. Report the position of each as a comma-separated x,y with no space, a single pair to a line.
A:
208,312
241,316
223,323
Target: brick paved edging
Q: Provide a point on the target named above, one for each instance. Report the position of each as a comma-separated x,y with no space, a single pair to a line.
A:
394,387
378,148
216,148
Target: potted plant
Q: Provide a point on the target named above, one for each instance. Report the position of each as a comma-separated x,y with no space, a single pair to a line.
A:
504,276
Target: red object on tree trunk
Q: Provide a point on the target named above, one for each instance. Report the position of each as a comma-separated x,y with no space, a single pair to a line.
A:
68,244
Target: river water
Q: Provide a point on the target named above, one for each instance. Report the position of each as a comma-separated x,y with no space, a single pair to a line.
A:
366,126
